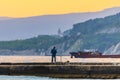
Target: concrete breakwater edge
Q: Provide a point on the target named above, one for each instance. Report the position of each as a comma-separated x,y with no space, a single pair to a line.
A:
63,70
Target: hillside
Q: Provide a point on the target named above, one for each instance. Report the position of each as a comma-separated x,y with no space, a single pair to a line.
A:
100,34
36,45
40,45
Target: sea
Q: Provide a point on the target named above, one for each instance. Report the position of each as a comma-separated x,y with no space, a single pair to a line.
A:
5,77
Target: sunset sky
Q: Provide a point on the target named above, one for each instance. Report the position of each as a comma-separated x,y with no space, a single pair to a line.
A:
26,8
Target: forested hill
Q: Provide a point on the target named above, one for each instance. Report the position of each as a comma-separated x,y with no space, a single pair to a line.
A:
40,42
100,34
99,25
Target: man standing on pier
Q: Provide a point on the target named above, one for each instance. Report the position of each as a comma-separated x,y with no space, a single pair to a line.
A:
53,52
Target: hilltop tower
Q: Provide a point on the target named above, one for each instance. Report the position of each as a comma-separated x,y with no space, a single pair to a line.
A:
60,32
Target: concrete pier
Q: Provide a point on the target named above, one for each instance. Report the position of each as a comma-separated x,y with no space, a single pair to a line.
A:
63,70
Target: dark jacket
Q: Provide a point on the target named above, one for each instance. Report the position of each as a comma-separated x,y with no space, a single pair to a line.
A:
53,51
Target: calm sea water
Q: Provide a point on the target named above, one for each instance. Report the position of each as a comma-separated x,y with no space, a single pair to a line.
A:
4,77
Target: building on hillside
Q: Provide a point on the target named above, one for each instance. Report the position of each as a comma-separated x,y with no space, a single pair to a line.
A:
60,33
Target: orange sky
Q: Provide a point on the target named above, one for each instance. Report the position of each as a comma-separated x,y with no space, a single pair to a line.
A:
26,8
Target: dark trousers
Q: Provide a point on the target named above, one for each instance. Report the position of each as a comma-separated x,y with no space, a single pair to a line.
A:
53,58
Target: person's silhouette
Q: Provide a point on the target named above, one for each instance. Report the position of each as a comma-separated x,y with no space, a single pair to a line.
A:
53,52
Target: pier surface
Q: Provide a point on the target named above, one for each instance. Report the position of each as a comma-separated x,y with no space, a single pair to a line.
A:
62,70
68,68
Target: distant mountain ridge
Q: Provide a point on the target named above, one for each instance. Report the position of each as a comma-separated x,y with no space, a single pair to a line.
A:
5,18
23,28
